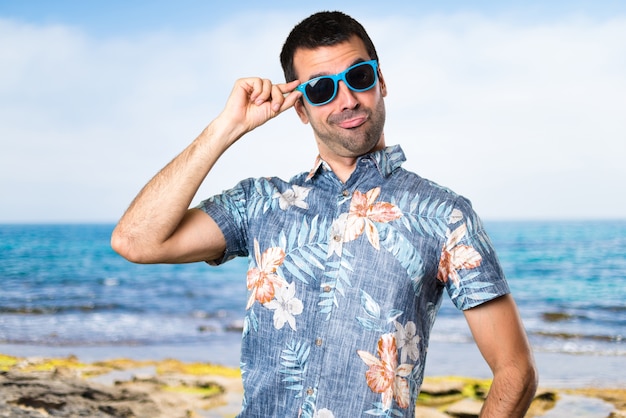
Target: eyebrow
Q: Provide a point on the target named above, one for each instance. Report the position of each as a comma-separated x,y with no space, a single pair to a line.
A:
355,62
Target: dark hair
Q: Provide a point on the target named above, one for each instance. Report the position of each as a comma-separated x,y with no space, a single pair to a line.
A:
322,29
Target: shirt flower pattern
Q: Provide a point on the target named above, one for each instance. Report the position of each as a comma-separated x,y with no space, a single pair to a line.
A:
293,197
385,376
348,277
455,256
365,211
407,340
285,306
263,280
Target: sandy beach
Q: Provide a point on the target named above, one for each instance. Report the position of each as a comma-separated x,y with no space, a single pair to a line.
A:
97,383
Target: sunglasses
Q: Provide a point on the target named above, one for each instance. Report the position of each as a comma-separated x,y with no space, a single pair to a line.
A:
322,90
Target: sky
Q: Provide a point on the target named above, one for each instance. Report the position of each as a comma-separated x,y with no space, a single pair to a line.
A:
518,105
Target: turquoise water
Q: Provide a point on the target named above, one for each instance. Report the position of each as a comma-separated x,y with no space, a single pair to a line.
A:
62,285
569,279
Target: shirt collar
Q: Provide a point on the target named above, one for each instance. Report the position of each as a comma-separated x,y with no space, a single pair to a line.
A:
386,160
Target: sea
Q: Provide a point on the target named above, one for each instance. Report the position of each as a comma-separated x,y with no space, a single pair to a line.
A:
64,291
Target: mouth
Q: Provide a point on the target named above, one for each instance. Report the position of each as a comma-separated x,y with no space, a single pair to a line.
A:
352,121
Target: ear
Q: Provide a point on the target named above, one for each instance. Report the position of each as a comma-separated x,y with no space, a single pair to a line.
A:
301,110
382,84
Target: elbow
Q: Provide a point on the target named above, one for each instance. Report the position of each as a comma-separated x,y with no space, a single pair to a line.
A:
126,246
527,376
529,372
532,378
528,382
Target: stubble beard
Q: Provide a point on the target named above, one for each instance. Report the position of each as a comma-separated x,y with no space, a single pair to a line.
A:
352,142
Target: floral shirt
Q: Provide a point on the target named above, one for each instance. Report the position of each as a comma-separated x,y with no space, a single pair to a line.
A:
345,280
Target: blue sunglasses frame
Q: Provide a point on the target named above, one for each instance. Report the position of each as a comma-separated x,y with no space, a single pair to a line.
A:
339,77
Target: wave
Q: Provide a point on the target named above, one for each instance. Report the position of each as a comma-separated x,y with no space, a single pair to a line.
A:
577,336
60,309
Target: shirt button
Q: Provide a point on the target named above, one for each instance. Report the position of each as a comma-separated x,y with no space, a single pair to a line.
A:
345,193
326,289
337,238
309,391
318,342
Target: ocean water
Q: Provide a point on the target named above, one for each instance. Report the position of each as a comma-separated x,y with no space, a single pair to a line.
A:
63,286
569,281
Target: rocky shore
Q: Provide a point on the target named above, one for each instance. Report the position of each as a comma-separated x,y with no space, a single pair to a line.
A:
66,387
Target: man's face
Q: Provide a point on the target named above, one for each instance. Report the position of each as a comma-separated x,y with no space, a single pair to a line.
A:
352,123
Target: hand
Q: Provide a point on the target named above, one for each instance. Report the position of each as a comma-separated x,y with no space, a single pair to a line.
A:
254,101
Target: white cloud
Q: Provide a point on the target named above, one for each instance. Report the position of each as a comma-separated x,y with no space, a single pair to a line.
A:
525,120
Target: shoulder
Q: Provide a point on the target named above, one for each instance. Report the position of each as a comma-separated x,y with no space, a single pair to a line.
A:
257,186
422,194
417,183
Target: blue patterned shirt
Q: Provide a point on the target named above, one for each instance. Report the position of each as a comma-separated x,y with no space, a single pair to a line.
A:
345,280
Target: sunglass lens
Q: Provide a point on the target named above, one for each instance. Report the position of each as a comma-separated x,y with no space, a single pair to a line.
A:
320,90
361,77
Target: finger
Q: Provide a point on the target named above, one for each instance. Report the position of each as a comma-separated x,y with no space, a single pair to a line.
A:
279,94
255,86
288,96
290,99
288,87
265,92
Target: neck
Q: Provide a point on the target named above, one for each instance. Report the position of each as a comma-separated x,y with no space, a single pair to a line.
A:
344,166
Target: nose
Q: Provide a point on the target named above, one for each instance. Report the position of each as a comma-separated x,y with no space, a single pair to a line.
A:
346,98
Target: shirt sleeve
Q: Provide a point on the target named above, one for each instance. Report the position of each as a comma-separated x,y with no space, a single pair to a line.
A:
228,210
469,266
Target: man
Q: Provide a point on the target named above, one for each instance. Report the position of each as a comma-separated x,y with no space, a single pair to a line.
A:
348,262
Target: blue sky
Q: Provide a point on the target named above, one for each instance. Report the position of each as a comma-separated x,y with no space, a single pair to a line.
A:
517,105
170,13
123,18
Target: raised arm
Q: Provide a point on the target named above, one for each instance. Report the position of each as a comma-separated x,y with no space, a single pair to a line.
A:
159,227
500,336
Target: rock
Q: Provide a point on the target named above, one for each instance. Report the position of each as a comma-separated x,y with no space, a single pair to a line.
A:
546,395
466,408
544,400
121,388
425,412
35,395
442,387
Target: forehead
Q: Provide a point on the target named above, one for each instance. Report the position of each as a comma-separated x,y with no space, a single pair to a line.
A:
310,63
